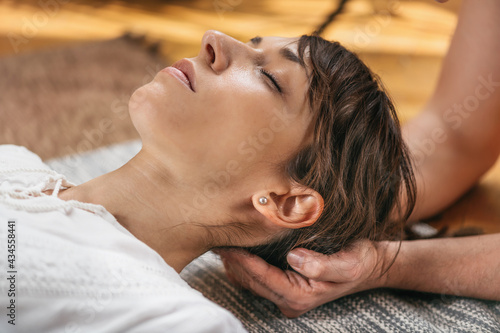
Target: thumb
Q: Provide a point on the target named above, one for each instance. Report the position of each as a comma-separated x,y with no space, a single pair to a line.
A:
321,267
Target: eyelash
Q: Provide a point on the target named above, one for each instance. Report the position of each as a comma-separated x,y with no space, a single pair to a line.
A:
272,78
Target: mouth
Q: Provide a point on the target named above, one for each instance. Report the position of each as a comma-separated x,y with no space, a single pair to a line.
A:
183,70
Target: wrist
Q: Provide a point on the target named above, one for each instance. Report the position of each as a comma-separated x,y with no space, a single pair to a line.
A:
388,253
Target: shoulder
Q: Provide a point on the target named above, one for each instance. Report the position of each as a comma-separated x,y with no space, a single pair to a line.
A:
187,312
15,153
119,305
212,318
23,173
15,160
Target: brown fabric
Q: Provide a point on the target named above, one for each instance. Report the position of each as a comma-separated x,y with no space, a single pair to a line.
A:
73,99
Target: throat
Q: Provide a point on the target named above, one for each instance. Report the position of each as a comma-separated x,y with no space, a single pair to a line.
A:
138,196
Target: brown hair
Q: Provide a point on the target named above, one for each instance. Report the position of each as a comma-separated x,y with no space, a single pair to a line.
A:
357,160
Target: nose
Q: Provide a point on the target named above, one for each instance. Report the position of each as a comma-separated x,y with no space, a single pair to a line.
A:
219,50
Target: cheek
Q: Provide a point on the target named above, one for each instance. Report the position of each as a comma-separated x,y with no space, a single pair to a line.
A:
244,95
252,127
241,107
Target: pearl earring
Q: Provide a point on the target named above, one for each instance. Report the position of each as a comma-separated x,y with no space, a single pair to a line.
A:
262,200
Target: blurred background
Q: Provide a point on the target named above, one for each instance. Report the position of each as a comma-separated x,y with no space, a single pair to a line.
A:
397,38
66,71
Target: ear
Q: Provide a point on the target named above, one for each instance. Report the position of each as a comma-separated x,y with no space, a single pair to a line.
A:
298,208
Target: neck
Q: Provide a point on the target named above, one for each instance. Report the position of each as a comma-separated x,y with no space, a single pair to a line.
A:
140,195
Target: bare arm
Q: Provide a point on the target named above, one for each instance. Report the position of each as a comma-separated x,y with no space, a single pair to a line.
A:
468,266
456,139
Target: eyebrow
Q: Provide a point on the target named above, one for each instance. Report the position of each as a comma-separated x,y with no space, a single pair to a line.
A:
284,52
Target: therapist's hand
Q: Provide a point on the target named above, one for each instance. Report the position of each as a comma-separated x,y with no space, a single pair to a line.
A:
324,278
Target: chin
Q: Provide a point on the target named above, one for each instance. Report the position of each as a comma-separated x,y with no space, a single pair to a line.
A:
142,109
154,116
135,104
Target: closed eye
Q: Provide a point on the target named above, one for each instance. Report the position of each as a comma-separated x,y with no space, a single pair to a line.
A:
272,79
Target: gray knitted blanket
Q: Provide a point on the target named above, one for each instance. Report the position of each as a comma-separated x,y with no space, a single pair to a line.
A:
372,311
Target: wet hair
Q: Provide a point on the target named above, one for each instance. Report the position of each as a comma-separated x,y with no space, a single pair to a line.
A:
357,159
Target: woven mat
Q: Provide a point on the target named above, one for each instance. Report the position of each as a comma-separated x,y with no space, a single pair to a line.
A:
75,98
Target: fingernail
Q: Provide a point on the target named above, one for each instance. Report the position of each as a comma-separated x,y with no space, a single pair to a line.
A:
296,259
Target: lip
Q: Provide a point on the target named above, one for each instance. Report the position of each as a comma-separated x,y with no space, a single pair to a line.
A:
183,70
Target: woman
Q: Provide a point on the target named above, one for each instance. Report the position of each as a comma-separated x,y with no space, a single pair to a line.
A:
454,141
276,141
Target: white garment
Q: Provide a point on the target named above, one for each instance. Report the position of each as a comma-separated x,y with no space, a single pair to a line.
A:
79,270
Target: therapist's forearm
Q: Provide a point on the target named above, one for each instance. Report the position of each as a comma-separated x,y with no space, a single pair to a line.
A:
467,266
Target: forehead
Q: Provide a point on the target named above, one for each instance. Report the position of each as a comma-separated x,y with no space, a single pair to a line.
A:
280,40
275,41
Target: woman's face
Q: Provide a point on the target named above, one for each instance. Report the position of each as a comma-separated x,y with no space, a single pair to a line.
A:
235,109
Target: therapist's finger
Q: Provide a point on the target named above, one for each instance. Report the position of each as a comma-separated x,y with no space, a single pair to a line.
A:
291,292
346,266
252,272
